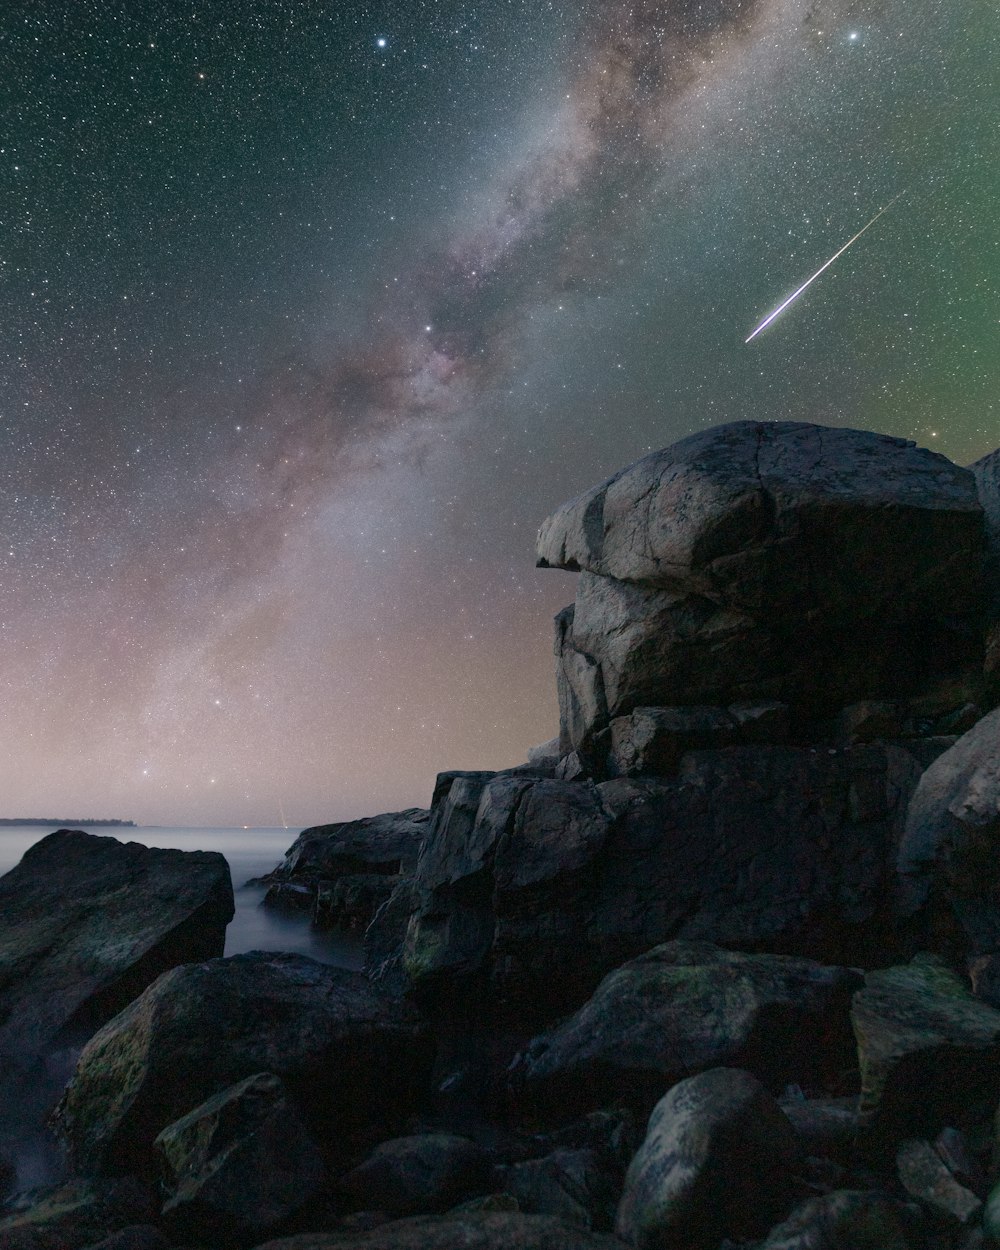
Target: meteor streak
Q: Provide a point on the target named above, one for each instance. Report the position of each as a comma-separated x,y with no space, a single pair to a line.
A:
809,281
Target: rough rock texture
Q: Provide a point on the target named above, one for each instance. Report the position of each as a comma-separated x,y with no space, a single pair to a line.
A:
651,740
716,1162
86,923
530,890
473,1230
324,856
684,1007
824,1126
846,1220
420,1174
577,1186
925,1177
948,861
927,1049
76,1214
354,1060
739,562
237,1166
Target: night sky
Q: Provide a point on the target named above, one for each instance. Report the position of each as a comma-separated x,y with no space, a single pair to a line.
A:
312,312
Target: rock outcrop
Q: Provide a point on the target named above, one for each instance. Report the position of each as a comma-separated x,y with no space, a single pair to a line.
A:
343,873
86,923
353,1060
529,890
765,560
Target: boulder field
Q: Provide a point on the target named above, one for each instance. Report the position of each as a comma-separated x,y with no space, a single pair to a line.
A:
717,968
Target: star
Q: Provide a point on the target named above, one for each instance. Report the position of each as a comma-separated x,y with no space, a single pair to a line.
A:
381,42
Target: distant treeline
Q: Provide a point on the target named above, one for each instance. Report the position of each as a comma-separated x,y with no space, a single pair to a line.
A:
66,824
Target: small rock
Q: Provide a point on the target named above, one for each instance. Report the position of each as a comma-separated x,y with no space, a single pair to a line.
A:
869,720
824,1126
419,1174
716,1162
651,740
237,1166
926,1047
845,1220
925,1177
545,754
76,1213
570,1184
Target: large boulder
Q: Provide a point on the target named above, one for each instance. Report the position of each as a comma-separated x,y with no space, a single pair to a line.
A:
530,890
353,1059
235,1168
418,1174
685,1007
948,860
739,564
86,923
929,1052
343,872
716,1162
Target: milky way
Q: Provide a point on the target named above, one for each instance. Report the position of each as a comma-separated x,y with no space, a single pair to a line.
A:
314,315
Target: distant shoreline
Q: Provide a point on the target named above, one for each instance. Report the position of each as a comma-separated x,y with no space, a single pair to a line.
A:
7,821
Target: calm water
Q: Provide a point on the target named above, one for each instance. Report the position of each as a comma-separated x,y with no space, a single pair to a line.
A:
250,853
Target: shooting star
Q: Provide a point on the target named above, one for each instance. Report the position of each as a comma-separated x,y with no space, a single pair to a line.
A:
822,269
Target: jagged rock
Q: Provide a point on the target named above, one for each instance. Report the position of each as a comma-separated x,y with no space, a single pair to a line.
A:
351,901
824,1126
716,1162
846,1220
237,1166
76,1213
924,1176
574,1185
419,1174
354,1060
330,870
653,739
546,754
472,1230
927,1049
86,923
739,563
684,1007
530,890
948,861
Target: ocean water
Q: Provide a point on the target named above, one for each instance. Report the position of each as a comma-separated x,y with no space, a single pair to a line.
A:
250,853
25,1106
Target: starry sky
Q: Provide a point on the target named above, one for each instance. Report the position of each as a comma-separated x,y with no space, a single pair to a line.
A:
310,312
